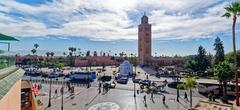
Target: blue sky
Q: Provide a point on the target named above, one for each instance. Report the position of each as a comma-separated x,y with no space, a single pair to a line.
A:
178,26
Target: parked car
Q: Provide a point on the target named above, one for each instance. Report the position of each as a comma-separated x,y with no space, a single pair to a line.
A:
111,84
53,75
122,80
106,78
61,75
136,80
45,75
145,82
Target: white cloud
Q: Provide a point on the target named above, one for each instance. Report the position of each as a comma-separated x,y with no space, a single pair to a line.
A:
111,19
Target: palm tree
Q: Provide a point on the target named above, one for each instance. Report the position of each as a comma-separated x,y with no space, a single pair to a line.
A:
48,54
234,11
64,54
189,83
71,49
223,74
52,54
36,45
74,51
33,51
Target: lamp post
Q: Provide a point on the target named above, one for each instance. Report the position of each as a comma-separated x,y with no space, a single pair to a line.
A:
50,91
134,86
134,75
62,91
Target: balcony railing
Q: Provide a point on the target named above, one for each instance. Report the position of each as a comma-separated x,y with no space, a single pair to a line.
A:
7,59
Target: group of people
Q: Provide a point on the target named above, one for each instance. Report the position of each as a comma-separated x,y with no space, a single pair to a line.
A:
151,98
104,87
69,87
211,96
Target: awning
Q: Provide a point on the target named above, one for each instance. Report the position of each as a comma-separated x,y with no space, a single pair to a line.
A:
7,38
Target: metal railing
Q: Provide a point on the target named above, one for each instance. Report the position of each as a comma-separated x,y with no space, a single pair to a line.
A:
7,59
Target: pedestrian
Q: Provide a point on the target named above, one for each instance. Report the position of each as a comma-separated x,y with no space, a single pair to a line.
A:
151,95
62,90
99,87
147,76
185,96
213,97
38,87
55,93
144,98
163,99
137,91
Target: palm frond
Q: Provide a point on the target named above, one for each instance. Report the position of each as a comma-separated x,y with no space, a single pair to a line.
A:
235,5
227,15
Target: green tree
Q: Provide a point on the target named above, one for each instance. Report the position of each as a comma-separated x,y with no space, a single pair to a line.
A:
47,54
234,11
202,62
71,51
52,54
191,65
218,47
60,65
33,51
95,53
189,84
230,57
88,53
223,73
36,46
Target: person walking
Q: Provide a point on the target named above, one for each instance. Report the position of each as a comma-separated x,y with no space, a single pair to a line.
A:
152,95
99,87
144,100
56,93
185,96
163,99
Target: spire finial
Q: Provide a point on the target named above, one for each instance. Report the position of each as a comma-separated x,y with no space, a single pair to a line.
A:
144,14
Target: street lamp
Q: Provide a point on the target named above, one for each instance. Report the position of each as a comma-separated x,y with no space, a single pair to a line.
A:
134,86
134,75
62,91
50,91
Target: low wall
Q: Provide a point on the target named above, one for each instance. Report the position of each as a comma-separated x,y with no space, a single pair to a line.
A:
12,100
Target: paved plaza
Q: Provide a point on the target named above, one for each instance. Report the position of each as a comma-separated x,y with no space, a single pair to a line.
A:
119,98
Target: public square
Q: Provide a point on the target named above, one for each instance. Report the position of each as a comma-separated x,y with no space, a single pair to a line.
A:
121,97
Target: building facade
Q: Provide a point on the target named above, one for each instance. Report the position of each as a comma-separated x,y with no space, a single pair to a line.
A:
144,41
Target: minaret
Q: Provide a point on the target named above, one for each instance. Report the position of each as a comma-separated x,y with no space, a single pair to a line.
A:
144,41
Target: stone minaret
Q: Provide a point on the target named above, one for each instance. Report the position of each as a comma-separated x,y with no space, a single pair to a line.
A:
144,41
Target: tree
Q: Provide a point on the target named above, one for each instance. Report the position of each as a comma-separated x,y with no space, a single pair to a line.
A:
36,46
218,47
71,51
48,54
189,83
52,54
223,73
230,57
95,53
33,51
202,62
234,11
64,54
191,65
88,53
